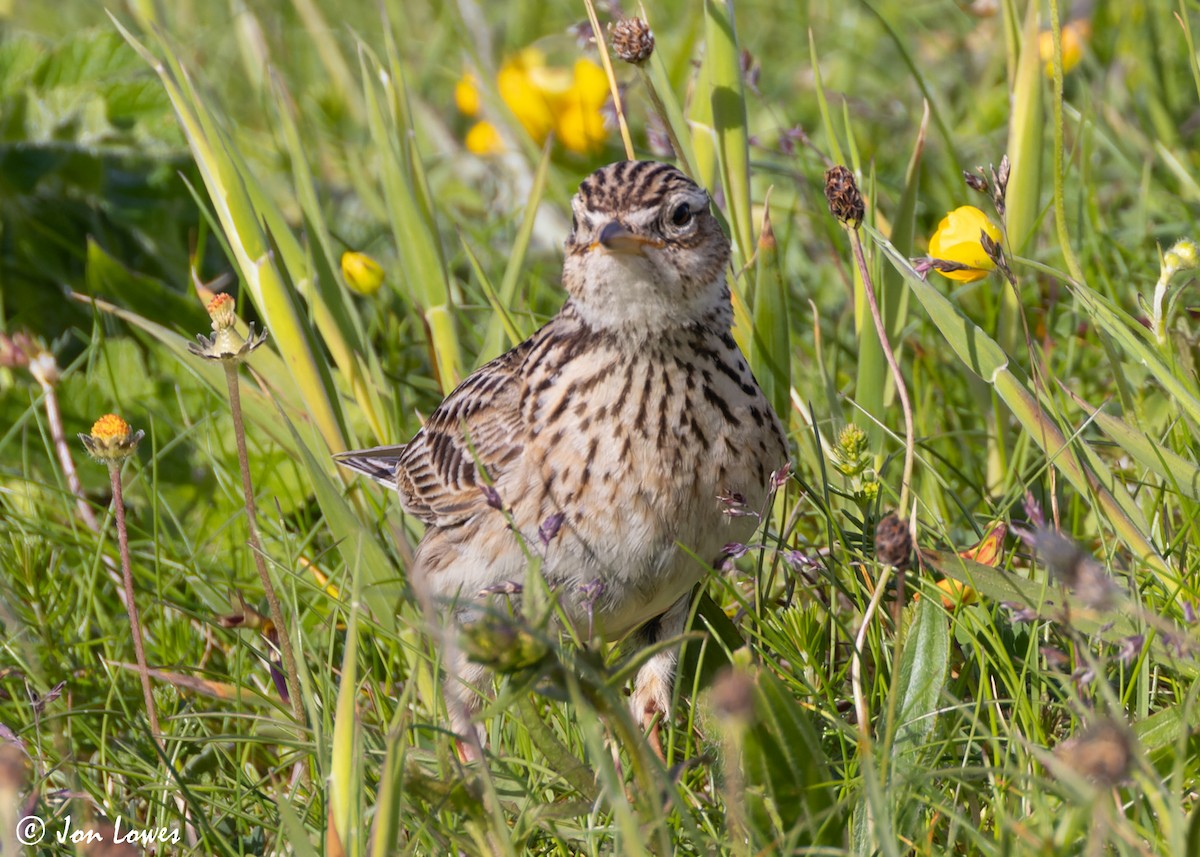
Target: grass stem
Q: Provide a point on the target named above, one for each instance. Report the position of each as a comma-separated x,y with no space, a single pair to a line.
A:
285,640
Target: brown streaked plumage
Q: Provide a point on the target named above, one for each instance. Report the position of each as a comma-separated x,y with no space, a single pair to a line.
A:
627,418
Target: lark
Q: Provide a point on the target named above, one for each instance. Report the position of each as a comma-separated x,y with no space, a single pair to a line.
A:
621,441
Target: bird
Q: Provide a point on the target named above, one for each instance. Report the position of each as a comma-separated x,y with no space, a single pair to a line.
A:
624,439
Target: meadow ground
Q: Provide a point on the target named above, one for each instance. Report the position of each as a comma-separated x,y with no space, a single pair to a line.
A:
1022,681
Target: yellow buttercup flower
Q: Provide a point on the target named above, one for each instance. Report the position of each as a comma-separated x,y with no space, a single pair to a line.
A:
957,240
1074,36
466,95
552,99
525,97
361,273
579,123
484,139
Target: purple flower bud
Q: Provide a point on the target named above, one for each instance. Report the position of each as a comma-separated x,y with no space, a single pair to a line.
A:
492,496
733,550
1130,649
550,527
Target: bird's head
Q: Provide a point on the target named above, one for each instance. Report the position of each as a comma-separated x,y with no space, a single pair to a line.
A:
645,252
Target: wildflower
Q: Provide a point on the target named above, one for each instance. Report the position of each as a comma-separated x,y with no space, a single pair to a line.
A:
1075,35
632,40
989,551
549,528
483,139
504,646
955,592
1074,567
466,95
959,241
111,439
591,593
851,455
226,343
361,273
553,99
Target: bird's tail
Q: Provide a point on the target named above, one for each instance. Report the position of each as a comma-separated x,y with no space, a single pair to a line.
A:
378,463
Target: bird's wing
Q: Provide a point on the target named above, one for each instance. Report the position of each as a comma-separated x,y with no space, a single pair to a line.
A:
478,425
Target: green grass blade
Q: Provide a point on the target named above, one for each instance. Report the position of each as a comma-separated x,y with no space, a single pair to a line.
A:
730,122
501,323
1025,139
225,178
425,281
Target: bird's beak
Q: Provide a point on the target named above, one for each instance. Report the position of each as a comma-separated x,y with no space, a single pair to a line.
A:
615,238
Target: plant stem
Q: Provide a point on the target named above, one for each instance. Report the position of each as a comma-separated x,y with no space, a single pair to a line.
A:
285,640
602,47
901,389
114,475
54,416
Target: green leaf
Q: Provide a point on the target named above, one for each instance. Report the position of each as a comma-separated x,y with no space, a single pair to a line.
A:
787,773
1177,471
923,665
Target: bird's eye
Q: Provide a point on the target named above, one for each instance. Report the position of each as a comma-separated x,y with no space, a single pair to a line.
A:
681,215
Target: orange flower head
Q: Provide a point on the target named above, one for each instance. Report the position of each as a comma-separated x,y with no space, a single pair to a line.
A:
111,439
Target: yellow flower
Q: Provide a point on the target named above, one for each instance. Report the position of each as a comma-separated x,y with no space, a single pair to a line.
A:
484,139
579,123
361,273
1074,36
525,98
957,240
549,99
466,95
111,439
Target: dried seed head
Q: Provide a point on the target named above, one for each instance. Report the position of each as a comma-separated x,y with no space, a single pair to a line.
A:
845,201
733,696
1102,753
1075,568
14,771
893,542
111,439
632,40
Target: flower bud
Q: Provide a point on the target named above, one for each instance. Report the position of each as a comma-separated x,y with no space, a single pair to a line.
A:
362,274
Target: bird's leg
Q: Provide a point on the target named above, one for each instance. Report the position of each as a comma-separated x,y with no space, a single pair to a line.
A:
461,688
651,700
